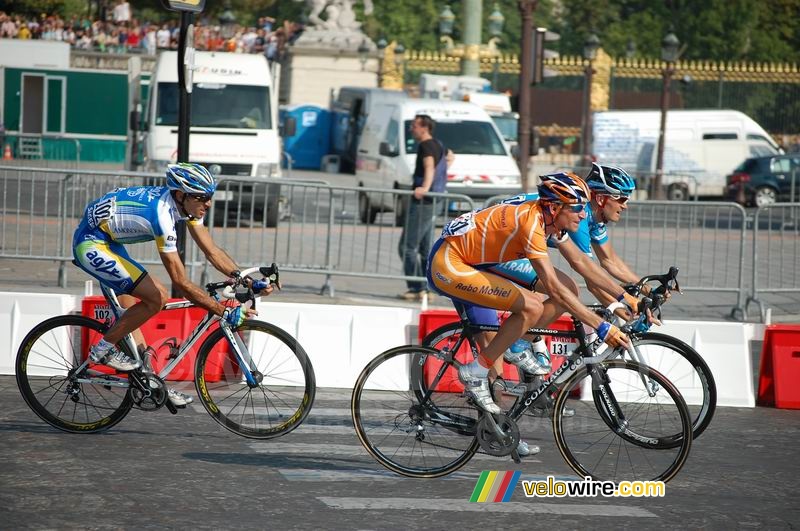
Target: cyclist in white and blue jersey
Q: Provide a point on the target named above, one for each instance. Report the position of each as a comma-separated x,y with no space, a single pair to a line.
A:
149,213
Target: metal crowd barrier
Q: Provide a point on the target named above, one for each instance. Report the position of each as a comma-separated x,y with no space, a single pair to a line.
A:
330,230
340,231
776,253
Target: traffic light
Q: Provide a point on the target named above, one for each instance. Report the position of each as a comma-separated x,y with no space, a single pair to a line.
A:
540,53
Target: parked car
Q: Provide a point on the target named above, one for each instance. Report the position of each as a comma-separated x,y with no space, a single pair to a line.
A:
765,180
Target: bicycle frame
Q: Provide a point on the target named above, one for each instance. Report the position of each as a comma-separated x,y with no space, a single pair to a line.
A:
572,363
238,348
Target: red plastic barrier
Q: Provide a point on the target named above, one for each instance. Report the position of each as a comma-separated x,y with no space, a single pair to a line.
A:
432,319
780,367
165,327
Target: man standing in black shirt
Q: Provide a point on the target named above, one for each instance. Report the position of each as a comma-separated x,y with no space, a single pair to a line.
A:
430,175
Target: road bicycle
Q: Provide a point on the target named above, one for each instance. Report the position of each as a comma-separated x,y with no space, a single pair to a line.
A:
673,358
631,422
255,380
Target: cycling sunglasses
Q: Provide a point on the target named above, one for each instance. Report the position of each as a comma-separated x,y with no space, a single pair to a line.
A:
621,199
575,208
201,198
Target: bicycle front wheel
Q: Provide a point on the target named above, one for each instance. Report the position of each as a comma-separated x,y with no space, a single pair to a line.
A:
94,400
408,435
283,387
617,432
686,369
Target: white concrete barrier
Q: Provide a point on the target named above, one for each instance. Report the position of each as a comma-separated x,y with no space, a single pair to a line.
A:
19,313
340,340
726,349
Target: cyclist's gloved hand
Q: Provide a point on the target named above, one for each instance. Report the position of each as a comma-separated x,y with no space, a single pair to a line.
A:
611,335
630,301
259,285
234,316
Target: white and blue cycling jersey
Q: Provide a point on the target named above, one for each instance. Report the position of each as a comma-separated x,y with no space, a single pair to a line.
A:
120,217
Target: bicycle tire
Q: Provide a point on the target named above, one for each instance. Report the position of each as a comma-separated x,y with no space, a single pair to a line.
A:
683,376
675,370
45,360
287,387
613,451
391,382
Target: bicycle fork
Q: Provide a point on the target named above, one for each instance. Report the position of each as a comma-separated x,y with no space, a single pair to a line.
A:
251,374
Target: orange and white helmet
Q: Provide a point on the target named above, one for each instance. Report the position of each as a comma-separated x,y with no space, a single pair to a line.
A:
563,188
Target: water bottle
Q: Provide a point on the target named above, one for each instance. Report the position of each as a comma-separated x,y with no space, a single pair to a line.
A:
520,345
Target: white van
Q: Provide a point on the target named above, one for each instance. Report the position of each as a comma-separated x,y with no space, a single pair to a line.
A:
387,152
701,146
234,121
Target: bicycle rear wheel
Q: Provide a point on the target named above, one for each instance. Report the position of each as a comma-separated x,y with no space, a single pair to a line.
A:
686,369
285,385
589,442
47,358
410,437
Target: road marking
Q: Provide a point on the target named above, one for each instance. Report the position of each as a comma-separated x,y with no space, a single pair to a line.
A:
346,450
462,505
313,474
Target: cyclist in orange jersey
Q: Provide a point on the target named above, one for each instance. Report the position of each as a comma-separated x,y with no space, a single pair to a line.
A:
476,241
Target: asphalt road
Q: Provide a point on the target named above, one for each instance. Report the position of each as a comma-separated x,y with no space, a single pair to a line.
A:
155,470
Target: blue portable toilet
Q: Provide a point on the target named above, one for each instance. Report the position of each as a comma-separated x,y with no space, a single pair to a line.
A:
311,140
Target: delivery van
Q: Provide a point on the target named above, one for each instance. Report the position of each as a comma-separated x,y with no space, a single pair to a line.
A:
483,166
349,114
234,124
701,146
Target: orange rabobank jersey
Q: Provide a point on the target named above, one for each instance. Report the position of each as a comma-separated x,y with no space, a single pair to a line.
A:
499,234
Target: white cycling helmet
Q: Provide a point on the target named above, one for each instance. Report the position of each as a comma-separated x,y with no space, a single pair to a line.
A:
191,179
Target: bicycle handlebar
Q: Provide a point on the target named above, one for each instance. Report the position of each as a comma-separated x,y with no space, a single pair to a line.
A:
270,274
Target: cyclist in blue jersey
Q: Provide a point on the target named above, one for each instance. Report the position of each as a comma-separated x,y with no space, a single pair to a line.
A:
149,213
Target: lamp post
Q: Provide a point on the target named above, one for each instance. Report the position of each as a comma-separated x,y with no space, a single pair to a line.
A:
400,60
496,21
381,44
363,53
228,21
526,9
669,54
590,47
471,50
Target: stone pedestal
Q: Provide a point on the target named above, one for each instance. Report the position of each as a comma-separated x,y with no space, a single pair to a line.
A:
310,75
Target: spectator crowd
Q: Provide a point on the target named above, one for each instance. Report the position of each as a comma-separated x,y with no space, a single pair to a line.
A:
121,32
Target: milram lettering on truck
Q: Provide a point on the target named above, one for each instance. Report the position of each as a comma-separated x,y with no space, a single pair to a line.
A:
219,71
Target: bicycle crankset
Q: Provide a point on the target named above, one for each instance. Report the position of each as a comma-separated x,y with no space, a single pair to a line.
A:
491,441
149,392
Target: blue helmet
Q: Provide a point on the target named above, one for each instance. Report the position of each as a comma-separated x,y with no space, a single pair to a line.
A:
191,179
563,188
610,180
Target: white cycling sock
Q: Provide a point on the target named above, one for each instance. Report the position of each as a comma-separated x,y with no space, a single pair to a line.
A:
103,346
477,370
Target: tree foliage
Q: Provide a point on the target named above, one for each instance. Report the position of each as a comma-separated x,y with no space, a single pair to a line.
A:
724,30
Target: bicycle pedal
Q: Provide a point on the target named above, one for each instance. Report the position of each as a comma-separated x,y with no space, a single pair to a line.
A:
516,457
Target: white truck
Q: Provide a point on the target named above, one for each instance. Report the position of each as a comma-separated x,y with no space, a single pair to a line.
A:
234,124
701,146
475,90
483,166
